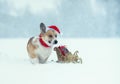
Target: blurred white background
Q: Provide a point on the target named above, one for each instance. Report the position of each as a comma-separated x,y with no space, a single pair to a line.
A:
75,18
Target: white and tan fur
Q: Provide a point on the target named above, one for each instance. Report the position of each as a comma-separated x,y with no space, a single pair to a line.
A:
36,51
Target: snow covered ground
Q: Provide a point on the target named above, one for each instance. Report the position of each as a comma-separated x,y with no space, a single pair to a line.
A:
101,63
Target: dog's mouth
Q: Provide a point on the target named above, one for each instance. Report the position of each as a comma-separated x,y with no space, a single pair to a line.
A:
49,42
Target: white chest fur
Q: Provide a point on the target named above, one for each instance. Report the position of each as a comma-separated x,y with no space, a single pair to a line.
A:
42,52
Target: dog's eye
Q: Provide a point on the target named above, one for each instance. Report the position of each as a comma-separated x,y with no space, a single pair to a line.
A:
50,36
55,35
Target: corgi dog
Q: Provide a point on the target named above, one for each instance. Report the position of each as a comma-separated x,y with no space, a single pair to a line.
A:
39,47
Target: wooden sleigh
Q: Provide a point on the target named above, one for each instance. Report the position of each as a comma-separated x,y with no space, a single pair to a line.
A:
65,56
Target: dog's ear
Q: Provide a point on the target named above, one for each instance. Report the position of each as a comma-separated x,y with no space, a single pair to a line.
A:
42,27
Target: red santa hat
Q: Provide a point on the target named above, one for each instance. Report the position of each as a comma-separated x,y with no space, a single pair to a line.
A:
54,28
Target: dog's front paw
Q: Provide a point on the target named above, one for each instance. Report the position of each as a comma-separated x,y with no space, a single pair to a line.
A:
34,60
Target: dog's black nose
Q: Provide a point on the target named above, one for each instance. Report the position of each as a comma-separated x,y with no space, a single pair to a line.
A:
55,42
